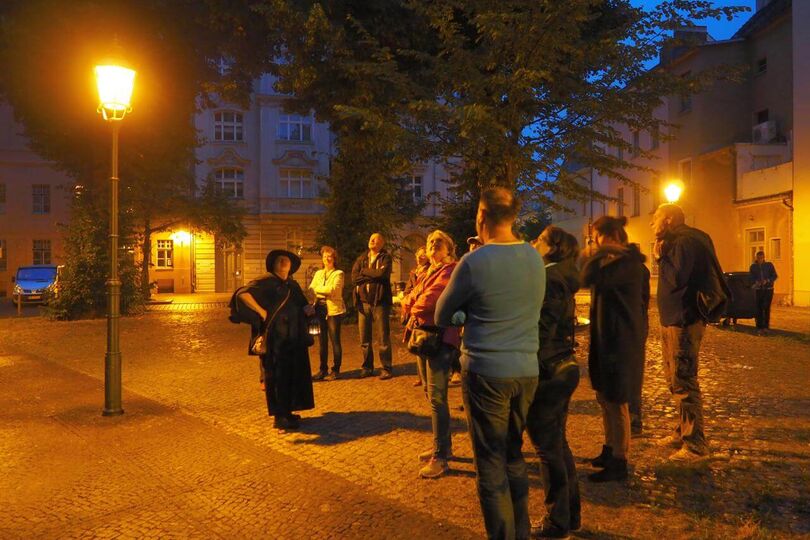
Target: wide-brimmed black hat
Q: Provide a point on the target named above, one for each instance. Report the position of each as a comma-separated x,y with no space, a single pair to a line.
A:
295,260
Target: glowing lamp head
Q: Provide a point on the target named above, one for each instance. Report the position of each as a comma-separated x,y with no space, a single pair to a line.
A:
181,237
114,90
673,191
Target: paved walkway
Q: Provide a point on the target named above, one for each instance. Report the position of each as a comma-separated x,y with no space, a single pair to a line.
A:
195,456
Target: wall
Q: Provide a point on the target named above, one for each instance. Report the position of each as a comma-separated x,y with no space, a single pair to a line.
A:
801,152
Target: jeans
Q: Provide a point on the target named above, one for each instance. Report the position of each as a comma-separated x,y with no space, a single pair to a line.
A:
435,374
379,316
681,346
764,299
496,416
546,426
330,331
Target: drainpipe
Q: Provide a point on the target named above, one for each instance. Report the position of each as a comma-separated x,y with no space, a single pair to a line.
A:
786,201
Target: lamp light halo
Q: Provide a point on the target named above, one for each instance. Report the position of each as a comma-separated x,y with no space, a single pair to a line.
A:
115,84
673,191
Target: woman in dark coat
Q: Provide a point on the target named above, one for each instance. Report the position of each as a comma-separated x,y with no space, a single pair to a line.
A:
276,299
620,285
559,377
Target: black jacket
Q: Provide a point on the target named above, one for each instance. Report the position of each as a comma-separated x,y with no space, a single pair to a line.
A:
620,296
372,284
558,317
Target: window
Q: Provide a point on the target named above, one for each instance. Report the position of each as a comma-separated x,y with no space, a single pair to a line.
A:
294,242
686,171
292,127
620,202
416,188
231,182
296,184
761,66
3,256
228,126
636,201
686,99
42,252
42,198
655,137
636,143
2,198
165,254
762,116
754,241
776,249
620,153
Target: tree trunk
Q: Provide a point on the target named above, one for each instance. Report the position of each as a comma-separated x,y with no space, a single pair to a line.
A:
146,260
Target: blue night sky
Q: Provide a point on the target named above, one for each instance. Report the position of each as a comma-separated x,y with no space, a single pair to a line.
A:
721,29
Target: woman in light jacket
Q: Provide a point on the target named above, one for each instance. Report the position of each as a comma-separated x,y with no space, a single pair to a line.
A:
419,308
327,284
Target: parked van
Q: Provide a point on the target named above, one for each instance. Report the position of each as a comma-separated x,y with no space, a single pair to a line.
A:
35,284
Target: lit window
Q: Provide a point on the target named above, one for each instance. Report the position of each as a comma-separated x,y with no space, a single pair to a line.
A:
165,254
228,126
292,127
2,198
3,256
776,249
755,242
231,182
41,198
295,184
42,252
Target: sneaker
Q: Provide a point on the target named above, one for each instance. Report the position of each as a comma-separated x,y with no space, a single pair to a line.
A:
333,375
366,373
417,382
319,376
602,459
672,441
548,530
455,379
428,454
435,468
386,374
615,471
686,454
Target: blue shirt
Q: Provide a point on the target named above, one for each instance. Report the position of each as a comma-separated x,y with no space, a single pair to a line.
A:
500,287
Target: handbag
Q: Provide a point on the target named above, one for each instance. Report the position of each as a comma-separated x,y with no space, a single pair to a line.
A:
425,340
259,346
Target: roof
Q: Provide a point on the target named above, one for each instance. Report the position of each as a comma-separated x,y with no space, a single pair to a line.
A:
763,17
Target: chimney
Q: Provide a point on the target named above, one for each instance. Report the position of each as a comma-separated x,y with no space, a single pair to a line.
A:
684,38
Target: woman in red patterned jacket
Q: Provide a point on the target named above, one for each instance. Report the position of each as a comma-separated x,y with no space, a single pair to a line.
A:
434,368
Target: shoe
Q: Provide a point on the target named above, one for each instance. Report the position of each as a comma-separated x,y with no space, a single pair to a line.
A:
576,524
685,454
366,373
417,382
672,441
319,376
283,423
636,430
435,468
547,530
455,379
428,454
333,376
602,459
386,374
615,471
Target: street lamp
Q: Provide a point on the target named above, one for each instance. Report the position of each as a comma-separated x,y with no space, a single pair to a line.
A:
673,191
114,92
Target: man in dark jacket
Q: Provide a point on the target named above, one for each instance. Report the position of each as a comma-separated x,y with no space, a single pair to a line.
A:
763,274
685,257
371,276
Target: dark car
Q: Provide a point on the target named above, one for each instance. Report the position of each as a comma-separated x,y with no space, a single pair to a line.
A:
35,284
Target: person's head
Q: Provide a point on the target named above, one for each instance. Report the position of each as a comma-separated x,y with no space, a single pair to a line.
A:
473,243
610,230
440,247
329,257
376,242
556,245
421,256
760,257
497,207
665,218
282,263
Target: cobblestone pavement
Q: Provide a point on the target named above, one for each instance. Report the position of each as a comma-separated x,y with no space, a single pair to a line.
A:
195,454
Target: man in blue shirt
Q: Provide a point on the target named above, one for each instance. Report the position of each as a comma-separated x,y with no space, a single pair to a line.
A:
499,289
763,274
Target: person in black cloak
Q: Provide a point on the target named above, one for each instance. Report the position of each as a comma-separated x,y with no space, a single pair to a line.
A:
275,303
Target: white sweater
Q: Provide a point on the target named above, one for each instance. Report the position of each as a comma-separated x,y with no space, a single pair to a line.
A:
330,288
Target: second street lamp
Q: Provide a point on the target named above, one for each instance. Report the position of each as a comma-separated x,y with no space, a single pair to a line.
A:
114,91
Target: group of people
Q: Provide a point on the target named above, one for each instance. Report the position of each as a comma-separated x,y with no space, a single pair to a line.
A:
506,311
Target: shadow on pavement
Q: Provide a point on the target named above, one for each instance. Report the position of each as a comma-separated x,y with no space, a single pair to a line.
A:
803,337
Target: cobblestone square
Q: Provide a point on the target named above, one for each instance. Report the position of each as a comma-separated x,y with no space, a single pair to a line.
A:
195,454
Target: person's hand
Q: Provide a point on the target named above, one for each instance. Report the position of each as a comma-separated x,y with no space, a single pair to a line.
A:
309,311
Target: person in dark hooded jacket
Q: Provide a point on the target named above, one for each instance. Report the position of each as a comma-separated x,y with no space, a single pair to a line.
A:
620,285
559,377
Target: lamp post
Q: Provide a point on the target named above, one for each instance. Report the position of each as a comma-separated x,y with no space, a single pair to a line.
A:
673,191
114,91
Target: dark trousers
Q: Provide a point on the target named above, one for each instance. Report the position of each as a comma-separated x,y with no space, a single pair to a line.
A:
380,317
435,374
546,426
330,332
636,384
764,299
496,416
681,347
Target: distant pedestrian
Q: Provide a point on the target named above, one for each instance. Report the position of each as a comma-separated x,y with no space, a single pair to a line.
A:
763,274
434,367
500,288
559,377
276,308
620,285
371,276
327,285
687,265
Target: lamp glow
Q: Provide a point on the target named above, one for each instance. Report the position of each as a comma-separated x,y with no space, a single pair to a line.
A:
673,191
115,85
181,237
